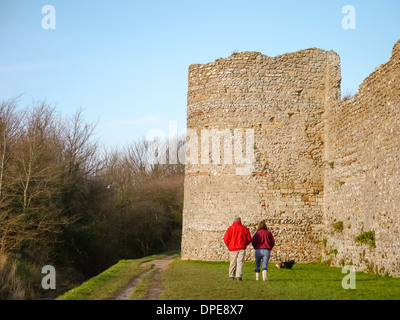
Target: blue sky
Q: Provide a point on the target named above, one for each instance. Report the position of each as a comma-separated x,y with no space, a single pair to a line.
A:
125,62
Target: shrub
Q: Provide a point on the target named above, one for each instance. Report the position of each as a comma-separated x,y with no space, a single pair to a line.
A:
338,226
367,237
334,251
348,95
11,287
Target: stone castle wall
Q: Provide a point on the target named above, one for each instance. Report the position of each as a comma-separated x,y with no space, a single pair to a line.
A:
287,113
362,174
282,100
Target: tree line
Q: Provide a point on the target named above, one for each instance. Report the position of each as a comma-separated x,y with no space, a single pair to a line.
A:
69,202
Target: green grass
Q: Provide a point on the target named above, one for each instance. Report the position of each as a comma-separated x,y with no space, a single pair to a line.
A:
200,280
108,283
196,280
142,287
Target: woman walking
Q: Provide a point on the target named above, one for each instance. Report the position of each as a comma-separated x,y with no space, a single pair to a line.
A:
263,241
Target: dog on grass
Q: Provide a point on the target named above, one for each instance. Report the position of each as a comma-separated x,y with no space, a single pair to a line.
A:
285,265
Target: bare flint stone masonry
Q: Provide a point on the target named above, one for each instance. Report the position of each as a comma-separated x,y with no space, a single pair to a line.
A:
316,160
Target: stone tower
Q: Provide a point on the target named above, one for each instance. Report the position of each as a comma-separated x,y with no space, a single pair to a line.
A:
256,148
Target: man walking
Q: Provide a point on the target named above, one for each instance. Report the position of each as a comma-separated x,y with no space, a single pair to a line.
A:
236,238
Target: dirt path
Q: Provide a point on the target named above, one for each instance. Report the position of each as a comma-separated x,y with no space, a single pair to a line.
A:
127,291
155,286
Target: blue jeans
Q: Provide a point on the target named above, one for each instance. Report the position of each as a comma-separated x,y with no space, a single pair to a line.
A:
262,254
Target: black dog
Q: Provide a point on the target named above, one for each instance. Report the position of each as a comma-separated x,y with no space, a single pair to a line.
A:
285,265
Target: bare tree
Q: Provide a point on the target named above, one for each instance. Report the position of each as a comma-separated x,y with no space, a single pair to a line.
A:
80,151
33,211
10,131
38,161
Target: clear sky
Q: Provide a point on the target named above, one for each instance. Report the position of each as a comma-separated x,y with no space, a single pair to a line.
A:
125,62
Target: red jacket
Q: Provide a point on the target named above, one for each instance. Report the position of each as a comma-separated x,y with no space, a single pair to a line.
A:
237,237
263,239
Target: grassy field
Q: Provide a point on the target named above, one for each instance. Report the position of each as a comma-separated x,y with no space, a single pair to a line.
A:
198,280
195,280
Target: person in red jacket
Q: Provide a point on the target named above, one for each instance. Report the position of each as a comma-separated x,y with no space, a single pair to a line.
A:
263,241
237,238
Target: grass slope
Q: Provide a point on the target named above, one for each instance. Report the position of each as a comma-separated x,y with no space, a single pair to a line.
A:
105,285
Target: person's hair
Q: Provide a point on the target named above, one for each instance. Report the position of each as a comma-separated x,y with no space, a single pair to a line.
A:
262,226
238,219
